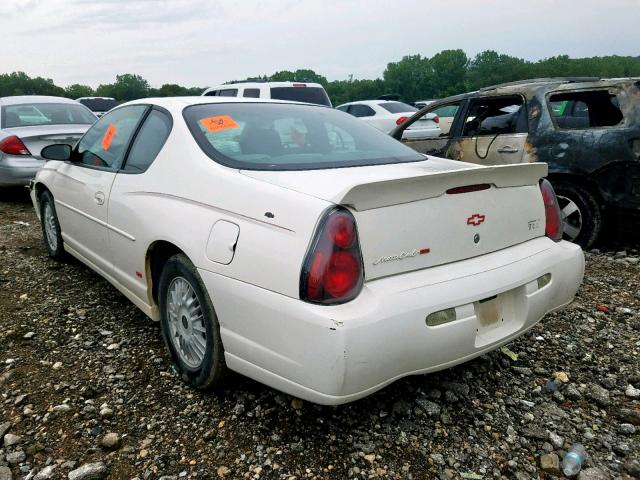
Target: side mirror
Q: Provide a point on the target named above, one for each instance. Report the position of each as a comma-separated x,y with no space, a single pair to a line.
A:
57,151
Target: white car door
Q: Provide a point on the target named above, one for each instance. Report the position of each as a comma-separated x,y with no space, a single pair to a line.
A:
129,213
82,186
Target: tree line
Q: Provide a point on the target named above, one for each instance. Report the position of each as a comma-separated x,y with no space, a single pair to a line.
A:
414,77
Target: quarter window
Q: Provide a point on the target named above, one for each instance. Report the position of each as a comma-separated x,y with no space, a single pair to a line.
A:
495,116
230,92
148,142
359,110
583,110
251,93
105,143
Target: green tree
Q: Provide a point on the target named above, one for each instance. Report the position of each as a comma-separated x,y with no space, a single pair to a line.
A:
491,68
127,86
447,74
77,90
174,90
19,83
300,75
408,78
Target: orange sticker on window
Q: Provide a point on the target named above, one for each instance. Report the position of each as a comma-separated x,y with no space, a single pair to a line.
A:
219,123
108,136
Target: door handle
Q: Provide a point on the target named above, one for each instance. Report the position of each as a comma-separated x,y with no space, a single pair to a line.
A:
508,149
99,198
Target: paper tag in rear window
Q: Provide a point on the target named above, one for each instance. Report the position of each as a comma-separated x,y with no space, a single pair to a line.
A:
219,123
108,136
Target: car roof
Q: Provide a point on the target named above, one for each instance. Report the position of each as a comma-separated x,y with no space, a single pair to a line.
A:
227,86
22,99
370,102
546,84
179,103
555,84
94,98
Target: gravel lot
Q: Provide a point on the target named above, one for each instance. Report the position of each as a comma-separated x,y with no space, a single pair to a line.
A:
84,379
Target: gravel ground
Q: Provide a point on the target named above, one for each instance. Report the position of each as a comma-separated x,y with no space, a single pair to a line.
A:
87,391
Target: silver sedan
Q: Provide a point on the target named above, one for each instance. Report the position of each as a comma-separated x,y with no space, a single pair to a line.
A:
27,124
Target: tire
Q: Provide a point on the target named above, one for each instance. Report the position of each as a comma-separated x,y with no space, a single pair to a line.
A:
191,331
51,231
581,214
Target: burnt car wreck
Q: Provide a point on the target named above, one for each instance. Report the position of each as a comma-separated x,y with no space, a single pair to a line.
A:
586,129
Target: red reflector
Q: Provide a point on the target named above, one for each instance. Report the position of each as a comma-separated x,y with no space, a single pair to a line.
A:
469,188
401,120
436,119
299,84
13,146
553,228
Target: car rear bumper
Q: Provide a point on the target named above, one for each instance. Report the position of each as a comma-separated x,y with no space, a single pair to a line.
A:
334,355
18,170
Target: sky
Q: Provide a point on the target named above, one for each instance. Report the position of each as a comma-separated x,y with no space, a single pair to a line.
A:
202,43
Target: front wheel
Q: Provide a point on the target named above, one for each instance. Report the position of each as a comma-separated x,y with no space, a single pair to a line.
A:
51,232
189,325
581,214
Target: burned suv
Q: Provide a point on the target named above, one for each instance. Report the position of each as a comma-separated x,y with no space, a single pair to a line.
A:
586,129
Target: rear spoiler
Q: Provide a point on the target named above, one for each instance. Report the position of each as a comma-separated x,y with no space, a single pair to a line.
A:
367,196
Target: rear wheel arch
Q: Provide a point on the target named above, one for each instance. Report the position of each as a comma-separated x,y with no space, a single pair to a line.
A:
158,253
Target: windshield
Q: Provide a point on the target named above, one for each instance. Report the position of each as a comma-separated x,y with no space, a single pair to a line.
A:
274,136
397,107
29,114
301,94
99,104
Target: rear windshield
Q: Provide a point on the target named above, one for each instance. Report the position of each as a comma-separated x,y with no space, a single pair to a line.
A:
99,104
397,107
301,94
274,136
29,114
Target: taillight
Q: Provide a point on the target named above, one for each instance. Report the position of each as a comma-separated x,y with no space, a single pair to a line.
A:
553,227
13,146
436,119
299,84
401,120
333,271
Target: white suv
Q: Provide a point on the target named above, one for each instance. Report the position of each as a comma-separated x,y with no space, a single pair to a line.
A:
293,91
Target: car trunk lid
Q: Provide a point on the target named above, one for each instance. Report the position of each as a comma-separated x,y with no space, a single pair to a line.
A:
414,215
36,138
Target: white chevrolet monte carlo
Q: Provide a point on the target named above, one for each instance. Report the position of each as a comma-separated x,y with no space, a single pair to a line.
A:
300,247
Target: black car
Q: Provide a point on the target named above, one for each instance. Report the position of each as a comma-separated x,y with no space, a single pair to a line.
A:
98,105
586,129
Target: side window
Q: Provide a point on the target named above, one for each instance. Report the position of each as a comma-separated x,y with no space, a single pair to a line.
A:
229,92
343,108
106,142
212,93
251,93
148,142
446,114
583,110
359,110
495,116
